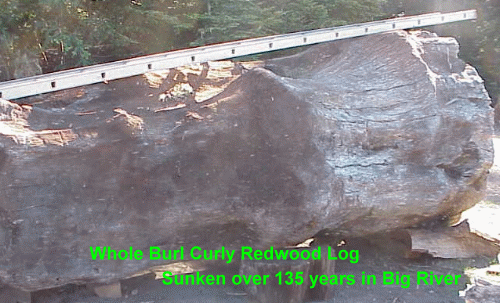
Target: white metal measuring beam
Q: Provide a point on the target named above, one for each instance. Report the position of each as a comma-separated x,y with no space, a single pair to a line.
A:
131,67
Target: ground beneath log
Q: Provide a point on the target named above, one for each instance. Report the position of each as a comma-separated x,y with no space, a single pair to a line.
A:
373,261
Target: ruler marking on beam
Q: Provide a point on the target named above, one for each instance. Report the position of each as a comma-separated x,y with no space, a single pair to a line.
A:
132,67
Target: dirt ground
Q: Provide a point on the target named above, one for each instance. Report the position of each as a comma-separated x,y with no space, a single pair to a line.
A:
150,291
373,260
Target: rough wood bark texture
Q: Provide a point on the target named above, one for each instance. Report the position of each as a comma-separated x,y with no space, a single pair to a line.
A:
362,135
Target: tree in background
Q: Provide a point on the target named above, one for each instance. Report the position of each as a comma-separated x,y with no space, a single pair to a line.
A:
485,52
350,11
300,15
71,33
16,31
60,34
226,20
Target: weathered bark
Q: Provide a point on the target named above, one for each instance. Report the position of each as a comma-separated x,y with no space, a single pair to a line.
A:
358,136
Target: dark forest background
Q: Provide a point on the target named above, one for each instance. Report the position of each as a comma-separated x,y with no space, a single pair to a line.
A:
40,36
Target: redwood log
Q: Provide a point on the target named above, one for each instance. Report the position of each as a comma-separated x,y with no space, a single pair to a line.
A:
356,136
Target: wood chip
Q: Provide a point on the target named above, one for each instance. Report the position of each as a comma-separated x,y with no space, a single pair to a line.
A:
178,106
91,112
194,115
80,93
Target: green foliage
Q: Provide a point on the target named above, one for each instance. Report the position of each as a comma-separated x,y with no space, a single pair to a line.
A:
349,11
304,15
486,47
83,32
237,19
227,20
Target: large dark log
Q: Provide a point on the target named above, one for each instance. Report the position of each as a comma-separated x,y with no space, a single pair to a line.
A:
358,136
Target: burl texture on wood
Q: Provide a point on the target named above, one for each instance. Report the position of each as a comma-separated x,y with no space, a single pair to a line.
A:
356,136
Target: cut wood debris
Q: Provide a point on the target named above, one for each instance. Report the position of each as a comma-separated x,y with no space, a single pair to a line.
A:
164,109
14,124
194,115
